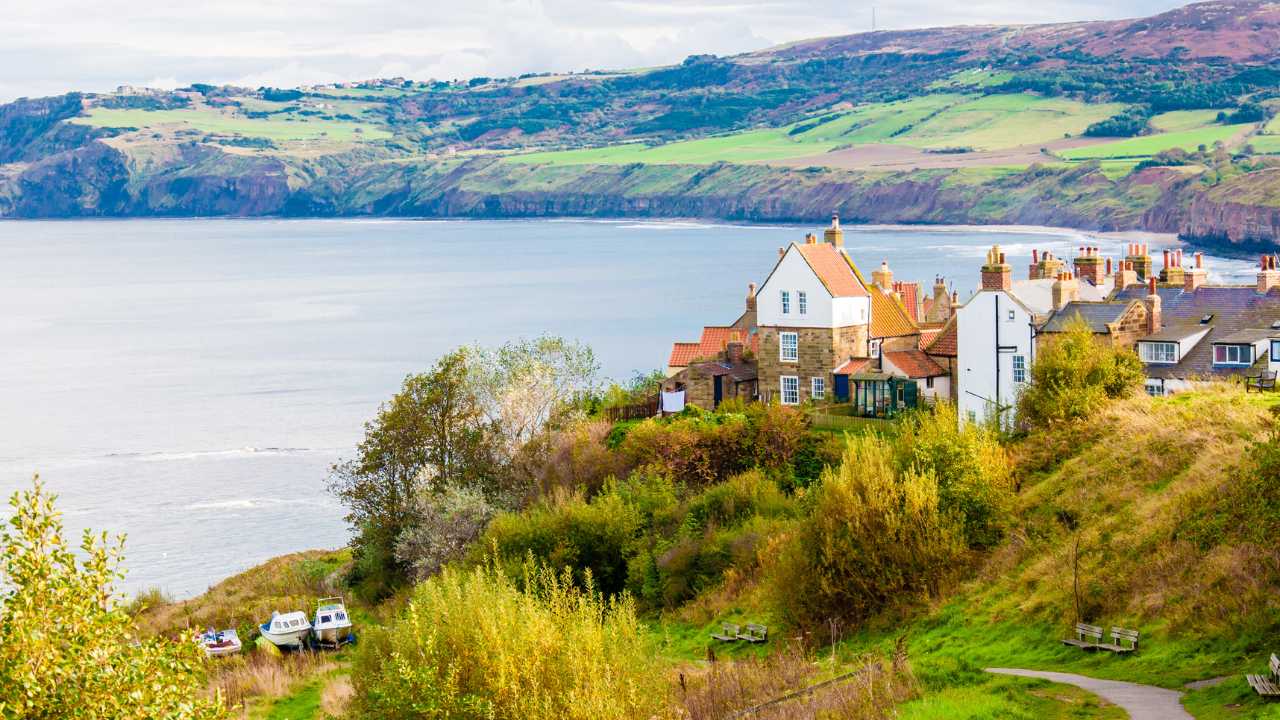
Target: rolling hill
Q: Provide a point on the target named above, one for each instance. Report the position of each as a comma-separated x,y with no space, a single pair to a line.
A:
1148,122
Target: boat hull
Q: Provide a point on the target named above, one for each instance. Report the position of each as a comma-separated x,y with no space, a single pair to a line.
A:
291,639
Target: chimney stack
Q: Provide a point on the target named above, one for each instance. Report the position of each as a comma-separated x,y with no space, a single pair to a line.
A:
1141,260
751,297
1125,276
1066,289
810,239
883,277
996,274
733,352
1268,274
1152,302
834,234
781,251
1194,277
1089,266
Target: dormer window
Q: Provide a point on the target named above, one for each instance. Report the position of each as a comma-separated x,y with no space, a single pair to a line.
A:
802,299
786,302
1165,353
1232,355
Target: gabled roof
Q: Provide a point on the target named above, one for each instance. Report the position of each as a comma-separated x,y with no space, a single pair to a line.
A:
683,353
1097,315
715,338
944,345
1233,309
914,363
738,372
833,268
888,317
851,366
1036,296
910,293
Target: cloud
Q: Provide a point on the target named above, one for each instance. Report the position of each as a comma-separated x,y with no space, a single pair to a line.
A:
52,46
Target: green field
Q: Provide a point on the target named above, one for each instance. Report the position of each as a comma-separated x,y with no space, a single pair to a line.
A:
1179,120
216,122
1146,146
931,121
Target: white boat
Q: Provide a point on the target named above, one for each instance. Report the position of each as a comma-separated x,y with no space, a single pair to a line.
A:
217,643
287,630
332,624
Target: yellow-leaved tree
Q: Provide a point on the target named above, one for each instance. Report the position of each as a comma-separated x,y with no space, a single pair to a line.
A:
67,648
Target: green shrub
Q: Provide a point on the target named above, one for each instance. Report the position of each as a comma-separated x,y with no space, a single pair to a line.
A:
590,537
972,469
1075,374
475,645
876,536
67,648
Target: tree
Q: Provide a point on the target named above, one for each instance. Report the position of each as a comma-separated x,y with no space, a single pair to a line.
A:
446,524
431,435
68,649
1075,374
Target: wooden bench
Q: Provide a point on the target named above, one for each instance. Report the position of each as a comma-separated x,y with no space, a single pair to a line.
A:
728,633
1122,641
1262,382
1267,685
1093,632
755,633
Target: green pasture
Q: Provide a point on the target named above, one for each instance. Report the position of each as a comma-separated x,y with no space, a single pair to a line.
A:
1148,145
217,122
1181,120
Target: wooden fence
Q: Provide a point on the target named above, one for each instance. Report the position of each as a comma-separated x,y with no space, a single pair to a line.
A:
638,411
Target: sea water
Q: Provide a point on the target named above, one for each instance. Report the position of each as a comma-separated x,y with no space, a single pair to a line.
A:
189,382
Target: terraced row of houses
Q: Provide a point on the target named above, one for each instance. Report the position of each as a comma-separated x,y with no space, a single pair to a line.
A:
817,330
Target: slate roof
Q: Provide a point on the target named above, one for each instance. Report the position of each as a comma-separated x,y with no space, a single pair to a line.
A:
1037,295
738,372
833,268
1097,314
1233,308
944,345
914,363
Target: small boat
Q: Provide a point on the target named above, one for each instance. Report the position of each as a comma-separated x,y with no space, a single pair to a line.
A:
217,643
332,624
287,630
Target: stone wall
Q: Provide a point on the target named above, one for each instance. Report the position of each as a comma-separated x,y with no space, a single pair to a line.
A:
819,351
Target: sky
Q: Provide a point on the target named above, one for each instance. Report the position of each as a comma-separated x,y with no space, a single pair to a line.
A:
53,46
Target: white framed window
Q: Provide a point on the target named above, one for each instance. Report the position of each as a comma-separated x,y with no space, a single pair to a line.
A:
1232,355
1275,351
786,302
818,388
1011,316
1158,352
788,346
1019,368
802,302
874,349
790,389
1155,388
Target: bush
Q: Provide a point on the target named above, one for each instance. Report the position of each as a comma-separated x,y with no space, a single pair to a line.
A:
447,523
592,538
972,468
474,645
876,537
576,458
67,649
1075,374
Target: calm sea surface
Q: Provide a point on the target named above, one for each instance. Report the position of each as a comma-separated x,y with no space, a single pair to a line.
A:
188,382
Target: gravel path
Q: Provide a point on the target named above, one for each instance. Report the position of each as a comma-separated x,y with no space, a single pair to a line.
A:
1142,702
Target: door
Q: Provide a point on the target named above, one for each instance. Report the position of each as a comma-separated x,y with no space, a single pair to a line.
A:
842,388
719,390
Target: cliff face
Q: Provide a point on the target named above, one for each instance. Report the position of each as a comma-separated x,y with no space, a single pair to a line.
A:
1243,211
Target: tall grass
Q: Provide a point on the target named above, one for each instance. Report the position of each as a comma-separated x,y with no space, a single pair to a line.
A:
478,644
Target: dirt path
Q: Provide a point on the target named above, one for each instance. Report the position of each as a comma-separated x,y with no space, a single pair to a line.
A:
1142,702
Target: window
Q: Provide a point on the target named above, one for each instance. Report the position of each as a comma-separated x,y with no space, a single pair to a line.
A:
972,415
1019,368
1155,388
1011,317
875,348
928,383
1275,351
1158,352
786,303
790,390
1232,355
789,346
818,388
802,299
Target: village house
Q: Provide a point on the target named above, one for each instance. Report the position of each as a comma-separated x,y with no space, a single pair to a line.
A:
721,365
996,328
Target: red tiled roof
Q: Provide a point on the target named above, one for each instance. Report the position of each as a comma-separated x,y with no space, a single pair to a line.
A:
851,366
927,336
910,298
914,363
833,269
945,343
683,353
888,317
714,339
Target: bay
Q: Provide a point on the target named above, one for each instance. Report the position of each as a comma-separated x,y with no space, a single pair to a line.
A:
189,382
